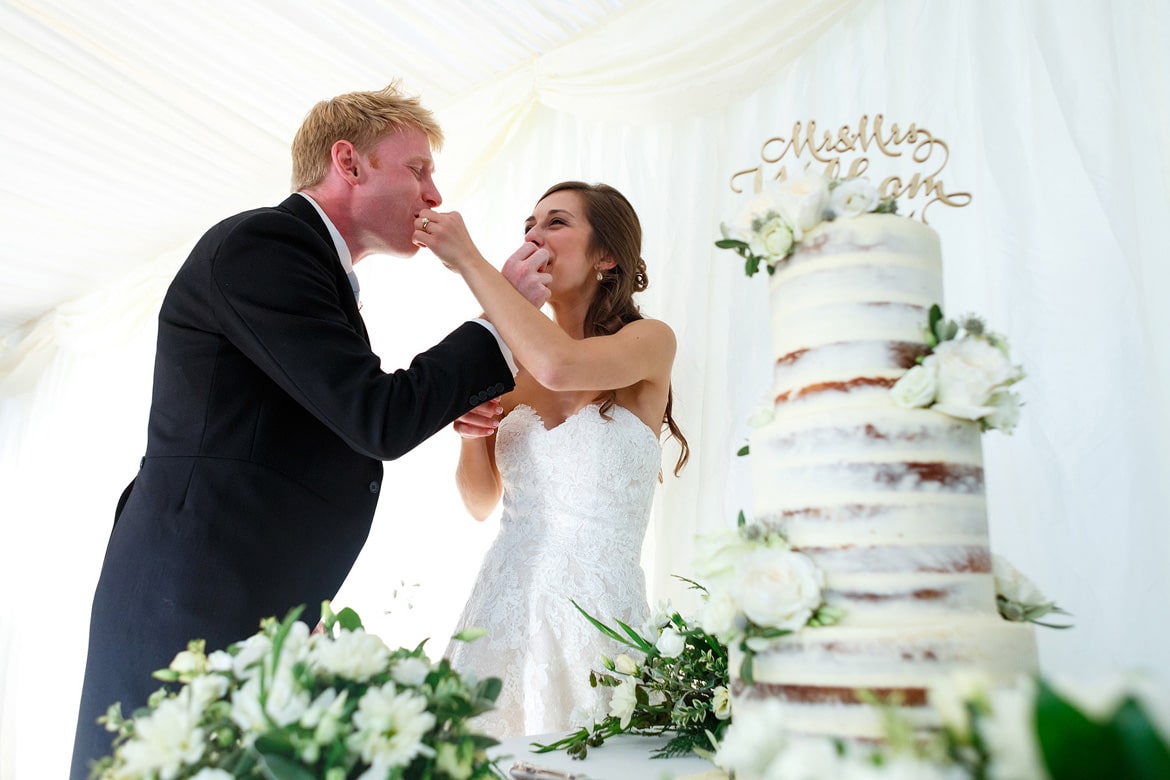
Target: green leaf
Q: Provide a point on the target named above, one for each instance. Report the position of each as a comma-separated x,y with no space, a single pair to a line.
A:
489,688
609,632
731,243
273,766
638,641
744,450
471,633
349,619
751,265
746,669
1072,745
1144,752
741,520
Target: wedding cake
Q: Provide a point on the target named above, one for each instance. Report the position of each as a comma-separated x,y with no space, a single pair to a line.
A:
887,501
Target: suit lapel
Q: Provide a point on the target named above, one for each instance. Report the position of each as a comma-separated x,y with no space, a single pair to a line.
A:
300,208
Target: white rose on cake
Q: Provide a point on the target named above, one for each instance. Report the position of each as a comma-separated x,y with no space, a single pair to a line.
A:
918,386
773,241
777,588
802,202
969,370
852,197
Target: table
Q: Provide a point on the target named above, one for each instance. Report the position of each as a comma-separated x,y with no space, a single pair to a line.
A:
622,757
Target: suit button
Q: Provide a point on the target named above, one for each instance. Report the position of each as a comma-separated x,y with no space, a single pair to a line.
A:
373,487
473,400
499,388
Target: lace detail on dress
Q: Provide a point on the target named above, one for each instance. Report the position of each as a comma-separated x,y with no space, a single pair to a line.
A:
575,507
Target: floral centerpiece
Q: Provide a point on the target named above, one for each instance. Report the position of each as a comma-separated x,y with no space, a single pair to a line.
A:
674,682
966,373
758,589
289,705
770,228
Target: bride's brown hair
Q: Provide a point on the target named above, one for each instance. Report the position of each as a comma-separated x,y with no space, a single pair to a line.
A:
617,233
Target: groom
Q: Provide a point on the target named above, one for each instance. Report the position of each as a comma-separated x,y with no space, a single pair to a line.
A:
271,415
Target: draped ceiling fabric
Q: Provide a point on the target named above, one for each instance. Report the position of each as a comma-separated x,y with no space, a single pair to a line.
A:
128,128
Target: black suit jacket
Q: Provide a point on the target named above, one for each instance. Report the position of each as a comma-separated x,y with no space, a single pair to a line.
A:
269,422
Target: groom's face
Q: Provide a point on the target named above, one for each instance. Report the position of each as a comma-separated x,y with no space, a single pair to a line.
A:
397,186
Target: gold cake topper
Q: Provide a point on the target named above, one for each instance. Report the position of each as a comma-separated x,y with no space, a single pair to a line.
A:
808,146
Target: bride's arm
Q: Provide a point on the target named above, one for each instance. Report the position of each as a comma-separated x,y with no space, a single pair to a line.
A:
643,349
476,475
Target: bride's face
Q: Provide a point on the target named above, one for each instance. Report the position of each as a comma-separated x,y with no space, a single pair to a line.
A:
560,226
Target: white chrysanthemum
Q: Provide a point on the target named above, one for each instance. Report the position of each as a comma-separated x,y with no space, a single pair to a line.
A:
623,701
324,715
778,588
802,202
219,661
751,744
286,703
165,740
411,671
389,727
252,652
206,689
354,655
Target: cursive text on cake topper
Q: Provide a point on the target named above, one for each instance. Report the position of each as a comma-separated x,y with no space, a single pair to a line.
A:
856,147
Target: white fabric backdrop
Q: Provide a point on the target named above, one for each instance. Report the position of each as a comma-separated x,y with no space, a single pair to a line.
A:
1056,116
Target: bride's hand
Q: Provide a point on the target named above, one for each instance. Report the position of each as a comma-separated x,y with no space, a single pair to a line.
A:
524,270
481,421
446,236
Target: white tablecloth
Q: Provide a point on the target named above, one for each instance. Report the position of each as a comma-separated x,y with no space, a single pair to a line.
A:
624,757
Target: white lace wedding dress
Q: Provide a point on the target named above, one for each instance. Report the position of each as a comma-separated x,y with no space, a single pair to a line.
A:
575,507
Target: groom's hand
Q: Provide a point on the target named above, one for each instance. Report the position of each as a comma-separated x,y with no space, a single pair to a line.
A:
524,270
481,421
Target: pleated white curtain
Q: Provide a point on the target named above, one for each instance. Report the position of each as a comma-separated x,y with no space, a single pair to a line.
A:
1056,118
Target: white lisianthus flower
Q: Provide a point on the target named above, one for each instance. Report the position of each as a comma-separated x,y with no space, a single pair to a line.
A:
389,727
917,386
622,702
658,618
354,655
671,643
1005,411
751,744
624,664
778,588
852,197
165,741
411,671
719,614
1009,733
1013,585
802,202
286,702
969,370
721,702
219,661
773,241
587,715
252,651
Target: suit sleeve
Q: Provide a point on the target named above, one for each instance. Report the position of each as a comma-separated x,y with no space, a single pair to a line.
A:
274,291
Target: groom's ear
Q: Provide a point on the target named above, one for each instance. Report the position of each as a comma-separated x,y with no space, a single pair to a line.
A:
345,160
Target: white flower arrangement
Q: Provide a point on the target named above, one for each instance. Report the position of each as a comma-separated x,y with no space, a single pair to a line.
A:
284,703
770,228
966,374
758,589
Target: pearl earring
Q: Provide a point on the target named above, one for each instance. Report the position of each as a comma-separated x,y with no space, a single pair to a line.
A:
600,275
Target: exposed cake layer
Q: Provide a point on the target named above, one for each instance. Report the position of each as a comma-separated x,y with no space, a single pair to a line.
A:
817,673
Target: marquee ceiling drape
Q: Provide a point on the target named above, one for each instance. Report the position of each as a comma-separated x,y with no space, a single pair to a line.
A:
126,129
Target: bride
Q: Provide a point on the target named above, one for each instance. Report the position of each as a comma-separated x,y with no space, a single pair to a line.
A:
575,455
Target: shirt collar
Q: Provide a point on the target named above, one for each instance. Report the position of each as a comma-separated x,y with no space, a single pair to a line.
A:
338,242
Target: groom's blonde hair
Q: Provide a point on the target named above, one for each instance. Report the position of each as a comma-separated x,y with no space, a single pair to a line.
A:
363,119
